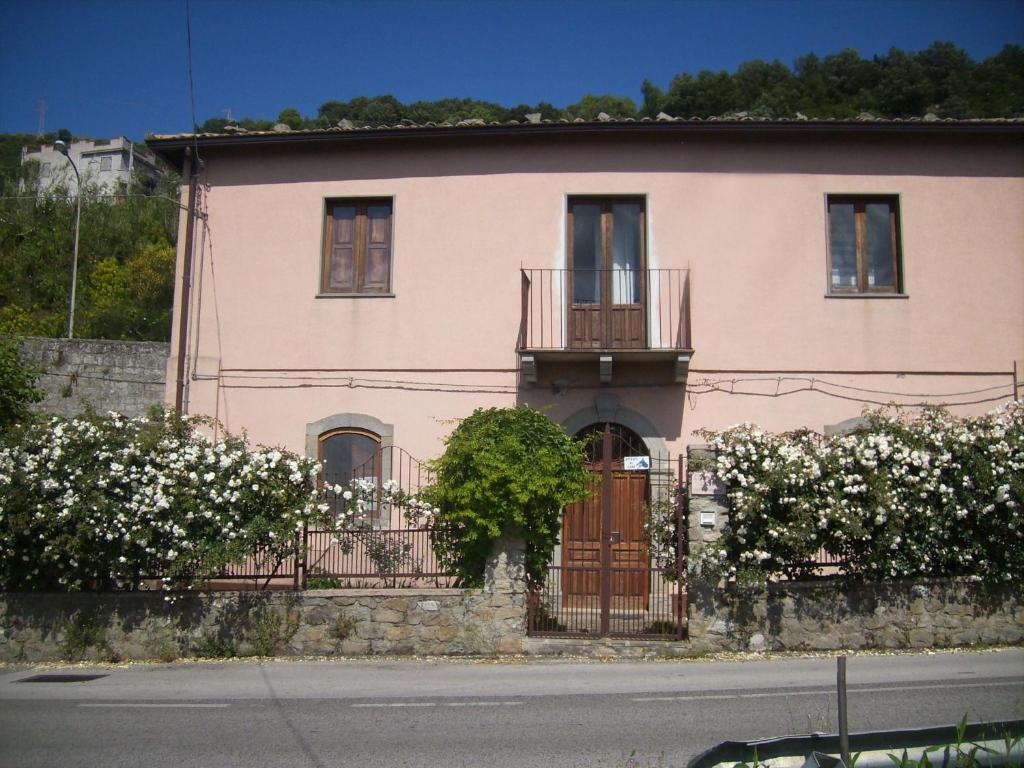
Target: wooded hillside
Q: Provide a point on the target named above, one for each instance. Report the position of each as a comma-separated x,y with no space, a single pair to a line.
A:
941,79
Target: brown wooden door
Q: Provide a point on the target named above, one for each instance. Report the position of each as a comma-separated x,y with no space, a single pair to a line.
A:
581,548
607,274
630,581
607,549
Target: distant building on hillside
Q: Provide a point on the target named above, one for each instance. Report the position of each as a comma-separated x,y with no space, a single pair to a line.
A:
103,162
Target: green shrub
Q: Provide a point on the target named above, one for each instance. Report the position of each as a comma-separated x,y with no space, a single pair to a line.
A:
84,632
503,470
17,384
213,645
271,631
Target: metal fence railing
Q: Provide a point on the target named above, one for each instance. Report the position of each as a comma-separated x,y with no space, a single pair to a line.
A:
605,309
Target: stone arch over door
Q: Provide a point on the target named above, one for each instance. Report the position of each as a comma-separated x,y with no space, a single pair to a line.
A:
607,408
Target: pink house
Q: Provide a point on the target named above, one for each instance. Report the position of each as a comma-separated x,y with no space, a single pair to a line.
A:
346,289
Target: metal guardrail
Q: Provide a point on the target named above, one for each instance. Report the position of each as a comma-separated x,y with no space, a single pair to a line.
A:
872,748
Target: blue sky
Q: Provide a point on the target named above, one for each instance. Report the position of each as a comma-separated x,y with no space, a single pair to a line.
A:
115,67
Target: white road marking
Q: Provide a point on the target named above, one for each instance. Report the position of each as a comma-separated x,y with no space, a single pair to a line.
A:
826,691
158,707
444,704
731,696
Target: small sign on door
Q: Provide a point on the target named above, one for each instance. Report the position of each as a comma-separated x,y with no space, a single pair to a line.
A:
636,463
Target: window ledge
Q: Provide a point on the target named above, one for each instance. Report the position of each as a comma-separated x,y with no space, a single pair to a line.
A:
355,296
867,296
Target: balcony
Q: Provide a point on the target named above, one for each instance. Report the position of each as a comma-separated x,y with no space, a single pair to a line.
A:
608,315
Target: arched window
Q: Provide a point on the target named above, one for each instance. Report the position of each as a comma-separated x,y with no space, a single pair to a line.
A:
348,453
350,446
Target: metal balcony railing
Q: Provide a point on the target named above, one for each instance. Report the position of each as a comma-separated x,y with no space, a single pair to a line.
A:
605,309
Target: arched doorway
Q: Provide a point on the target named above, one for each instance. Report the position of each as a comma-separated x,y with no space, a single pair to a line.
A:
605,562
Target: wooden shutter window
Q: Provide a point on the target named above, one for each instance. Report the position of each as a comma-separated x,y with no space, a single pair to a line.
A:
357,253
342,264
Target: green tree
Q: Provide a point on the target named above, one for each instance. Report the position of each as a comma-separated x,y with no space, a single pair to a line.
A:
851,80
654,99
291,117
904,89
768,90
707,95
590,106
17,384
132,300
214,125
997,85
504,470
125,255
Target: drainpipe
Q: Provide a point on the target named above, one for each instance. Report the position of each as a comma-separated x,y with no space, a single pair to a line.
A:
186,282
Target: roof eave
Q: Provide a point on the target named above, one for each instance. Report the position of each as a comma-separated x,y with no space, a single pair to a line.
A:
171,148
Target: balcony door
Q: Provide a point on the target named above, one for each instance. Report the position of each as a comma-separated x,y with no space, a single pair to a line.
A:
607,277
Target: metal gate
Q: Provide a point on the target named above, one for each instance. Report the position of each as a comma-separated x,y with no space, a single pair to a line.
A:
609,578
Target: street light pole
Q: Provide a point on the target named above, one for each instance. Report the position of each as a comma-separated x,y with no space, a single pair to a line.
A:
62,147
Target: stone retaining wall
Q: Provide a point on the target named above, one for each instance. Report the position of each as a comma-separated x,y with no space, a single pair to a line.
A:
123,376
141,625
799,616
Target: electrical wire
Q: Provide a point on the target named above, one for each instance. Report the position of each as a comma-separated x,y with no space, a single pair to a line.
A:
188,43
779,379
868,401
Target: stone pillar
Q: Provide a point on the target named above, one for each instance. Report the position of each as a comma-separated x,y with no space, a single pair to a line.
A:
505,593
706,497
707,514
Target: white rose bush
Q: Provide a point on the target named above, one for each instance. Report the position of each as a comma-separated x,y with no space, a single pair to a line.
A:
107,502
353,516
925,496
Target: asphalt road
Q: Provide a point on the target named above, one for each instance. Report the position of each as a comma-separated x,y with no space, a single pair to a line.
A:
471,713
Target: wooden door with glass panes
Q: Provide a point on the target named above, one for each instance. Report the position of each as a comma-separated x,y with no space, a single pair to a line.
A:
607,284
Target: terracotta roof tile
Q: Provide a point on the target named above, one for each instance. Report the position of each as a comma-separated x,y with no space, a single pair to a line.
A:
346,126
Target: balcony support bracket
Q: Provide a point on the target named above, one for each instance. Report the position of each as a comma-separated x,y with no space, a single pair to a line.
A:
529,369
682,366
606,369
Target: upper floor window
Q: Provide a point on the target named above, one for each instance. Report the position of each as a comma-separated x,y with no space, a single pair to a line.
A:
105,163
357,247
864,250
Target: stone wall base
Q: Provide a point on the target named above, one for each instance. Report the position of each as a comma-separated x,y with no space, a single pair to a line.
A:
802,616
113,627
145,625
